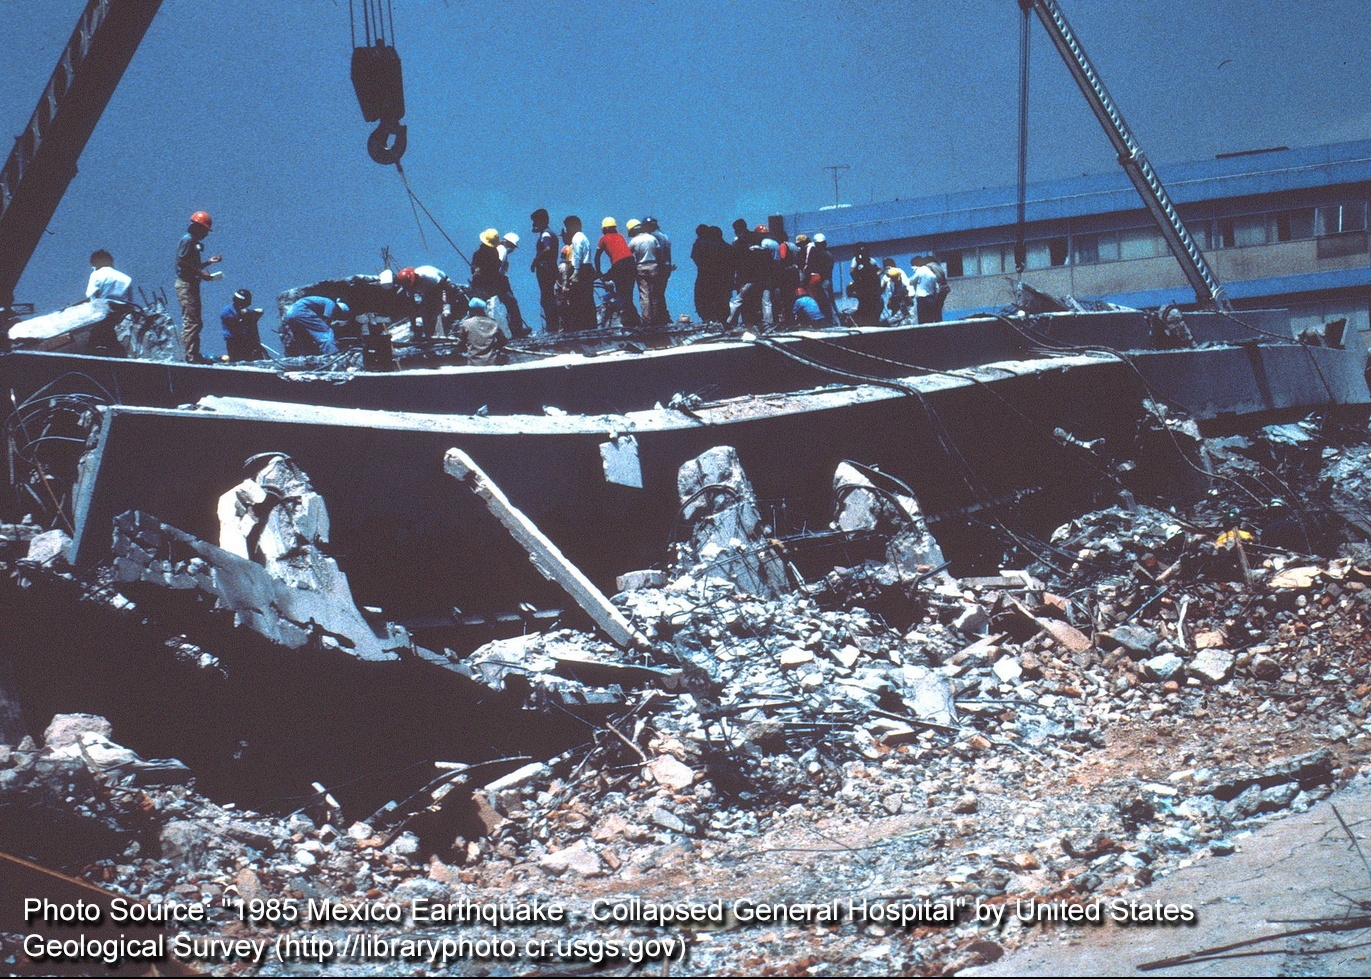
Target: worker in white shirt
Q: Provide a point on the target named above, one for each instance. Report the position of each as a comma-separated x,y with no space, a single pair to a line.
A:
107,282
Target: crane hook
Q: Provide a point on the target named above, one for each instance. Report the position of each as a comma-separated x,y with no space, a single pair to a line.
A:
387,142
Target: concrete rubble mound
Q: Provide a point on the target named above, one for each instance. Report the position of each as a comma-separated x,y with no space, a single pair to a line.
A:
884,705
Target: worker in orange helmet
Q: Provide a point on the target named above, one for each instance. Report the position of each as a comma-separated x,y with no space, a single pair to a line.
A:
190,272
432,291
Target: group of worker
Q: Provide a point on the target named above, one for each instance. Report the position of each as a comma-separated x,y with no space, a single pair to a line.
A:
736,283
885,293
638,259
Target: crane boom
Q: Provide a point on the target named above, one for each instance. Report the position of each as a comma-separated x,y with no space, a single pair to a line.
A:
43,161
1208,290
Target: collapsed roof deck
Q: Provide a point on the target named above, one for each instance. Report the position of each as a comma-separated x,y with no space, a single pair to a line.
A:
411,541
636,379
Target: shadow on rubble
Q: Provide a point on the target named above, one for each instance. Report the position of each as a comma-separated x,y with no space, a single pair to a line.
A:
254,723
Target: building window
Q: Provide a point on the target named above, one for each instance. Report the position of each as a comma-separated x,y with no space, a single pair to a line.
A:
952,263
1056,251
1036,255
971,263
1085,249
992,260
1336,219
1137,243
1294,225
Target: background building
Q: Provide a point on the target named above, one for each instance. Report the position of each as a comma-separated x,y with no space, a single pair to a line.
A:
1280,228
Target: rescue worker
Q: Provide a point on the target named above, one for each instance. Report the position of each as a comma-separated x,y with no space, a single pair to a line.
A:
746,306
106,282
479,335
806,310
898,301
865,287
190,272
432,291
307,327
646,251
665,266
622,272
818,262
485,265
713,274
581,294
930,289
239,323
785,277
562,290
545,269
517,329
766,255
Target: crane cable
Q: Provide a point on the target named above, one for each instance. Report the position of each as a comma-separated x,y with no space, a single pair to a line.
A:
1020,244
413,200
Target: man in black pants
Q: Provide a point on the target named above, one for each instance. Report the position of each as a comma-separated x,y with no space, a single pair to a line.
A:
544,267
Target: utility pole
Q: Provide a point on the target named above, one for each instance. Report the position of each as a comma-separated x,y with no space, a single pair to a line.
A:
836,168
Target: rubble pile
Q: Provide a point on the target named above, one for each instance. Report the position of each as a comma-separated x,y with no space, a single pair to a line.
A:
1155,685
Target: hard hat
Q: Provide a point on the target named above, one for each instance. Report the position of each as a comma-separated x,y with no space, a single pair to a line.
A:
243,296
633,225
490,237
650,221
819,239
344,309
475,305
801,239
511,239
405,277
762,229
203,219
608,223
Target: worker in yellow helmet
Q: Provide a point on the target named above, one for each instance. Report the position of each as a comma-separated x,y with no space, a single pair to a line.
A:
623,272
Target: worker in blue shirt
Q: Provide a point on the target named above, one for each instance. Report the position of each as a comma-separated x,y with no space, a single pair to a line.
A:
239,321
308,326
806,309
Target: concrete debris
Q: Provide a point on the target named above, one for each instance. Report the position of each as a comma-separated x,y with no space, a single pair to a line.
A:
862,506
48,547
1212,665
66,729
289,612
1064,725
98,326
276,519
727,537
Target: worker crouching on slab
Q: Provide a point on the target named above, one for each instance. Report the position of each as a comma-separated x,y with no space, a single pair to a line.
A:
307,328
480,336
239,322
432,291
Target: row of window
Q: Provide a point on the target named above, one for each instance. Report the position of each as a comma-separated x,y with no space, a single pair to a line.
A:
1133,243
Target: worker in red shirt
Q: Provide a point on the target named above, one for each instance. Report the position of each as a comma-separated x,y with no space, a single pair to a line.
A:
623,272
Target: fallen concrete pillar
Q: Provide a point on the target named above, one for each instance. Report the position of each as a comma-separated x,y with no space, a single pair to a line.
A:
67,329
726,533
544,554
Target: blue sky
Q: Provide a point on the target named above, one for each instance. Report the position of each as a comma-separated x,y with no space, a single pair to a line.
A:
698,112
